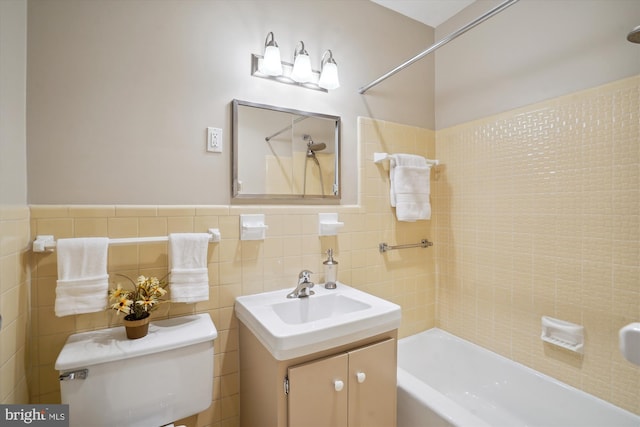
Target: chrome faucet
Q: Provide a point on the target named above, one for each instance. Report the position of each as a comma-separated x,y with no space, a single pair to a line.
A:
303,289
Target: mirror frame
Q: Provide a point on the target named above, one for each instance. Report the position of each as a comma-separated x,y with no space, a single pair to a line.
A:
236,197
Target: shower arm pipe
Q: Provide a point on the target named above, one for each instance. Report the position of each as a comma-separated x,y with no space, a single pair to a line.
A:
439,44
299,119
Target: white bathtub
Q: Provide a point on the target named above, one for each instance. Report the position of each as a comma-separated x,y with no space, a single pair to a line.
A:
444,380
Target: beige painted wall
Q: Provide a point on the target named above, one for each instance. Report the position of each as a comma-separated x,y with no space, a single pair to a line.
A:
13,89
532,51
122,92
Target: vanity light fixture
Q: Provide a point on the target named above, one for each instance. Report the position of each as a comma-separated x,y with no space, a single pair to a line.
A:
301,64
300,72
271,64
329,75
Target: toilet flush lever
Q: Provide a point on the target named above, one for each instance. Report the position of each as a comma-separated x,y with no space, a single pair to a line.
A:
80,374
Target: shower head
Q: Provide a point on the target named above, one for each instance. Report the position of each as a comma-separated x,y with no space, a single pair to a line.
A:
634,35
312,145
317,147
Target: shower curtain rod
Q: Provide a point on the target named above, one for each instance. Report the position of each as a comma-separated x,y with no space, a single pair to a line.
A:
442,42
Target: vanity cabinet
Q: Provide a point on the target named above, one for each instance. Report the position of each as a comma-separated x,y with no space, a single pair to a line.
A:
352,389
348,386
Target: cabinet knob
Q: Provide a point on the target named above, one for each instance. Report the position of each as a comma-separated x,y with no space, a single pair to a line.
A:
361,376
339,385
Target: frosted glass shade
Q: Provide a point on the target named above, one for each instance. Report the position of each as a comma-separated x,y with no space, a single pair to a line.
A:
301,69
271,64
329,77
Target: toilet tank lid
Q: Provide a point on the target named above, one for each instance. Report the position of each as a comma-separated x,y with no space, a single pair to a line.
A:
107,345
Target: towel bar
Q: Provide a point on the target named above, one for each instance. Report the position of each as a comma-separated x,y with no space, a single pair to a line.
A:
47,243
424,243
380,157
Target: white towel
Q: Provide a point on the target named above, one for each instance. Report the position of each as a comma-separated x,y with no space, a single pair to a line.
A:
410,187
189,278
83,281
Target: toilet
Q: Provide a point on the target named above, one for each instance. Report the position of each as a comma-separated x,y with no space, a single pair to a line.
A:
109,380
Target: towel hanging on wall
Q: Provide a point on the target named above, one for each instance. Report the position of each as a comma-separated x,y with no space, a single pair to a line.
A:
410,187
83,280
189,276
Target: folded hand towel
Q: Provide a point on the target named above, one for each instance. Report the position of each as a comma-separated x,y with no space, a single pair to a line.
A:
83,281
189,285
410,187
189,278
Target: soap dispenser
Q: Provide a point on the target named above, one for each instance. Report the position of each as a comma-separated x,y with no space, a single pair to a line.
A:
330,271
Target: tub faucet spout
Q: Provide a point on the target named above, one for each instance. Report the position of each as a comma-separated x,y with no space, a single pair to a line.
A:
303,289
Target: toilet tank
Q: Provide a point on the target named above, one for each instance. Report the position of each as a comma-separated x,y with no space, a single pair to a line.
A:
147,382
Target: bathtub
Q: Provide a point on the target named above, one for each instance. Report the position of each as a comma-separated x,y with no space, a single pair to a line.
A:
444,380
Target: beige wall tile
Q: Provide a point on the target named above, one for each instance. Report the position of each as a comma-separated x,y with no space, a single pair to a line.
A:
90,227
181,224
153,226
123,227
229,227
58,227
15,282
212,210
123,257
136,211
91,211
48,211
184,211
153,255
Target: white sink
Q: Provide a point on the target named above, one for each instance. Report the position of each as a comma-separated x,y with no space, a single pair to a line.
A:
304,310
294,327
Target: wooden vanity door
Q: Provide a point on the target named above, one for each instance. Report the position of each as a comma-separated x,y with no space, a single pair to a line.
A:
314,399
372,394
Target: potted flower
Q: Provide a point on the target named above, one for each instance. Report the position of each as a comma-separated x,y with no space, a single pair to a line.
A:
138,303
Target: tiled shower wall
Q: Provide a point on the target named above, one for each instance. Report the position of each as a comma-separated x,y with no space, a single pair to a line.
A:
245,267
537,213
14,303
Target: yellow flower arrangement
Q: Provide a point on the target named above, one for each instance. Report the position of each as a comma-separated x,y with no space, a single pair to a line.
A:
145,297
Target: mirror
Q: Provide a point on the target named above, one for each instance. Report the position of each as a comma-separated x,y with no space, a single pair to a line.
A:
281,154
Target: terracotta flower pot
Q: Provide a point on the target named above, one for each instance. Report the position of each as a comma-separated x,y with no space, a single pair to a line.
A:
136,328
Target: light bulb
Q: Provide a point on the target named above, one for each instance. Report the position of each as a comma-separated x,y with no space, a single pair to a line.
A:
329,77
271,63
301,66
